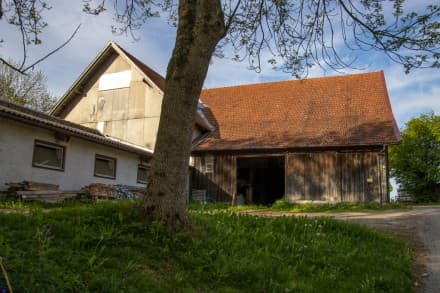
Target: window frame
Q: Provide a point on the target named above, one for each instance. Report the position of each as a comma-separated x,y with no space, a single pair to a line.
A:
147,168
209,160
38,142
103,157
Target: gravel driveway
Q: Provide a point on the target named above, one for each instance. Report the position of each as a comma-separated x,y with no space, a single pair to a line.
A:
421,226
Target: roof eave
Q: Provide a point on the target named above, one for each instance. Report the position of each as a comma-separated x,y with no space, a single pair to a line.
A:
122,53
78,82
196,148
50,125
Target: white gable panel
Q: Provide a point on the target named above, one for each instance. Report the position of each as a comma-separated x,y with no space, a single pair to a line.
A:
116,80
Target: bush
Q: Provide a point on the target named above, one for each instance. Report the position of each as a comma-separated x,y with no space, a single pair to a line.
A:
416,161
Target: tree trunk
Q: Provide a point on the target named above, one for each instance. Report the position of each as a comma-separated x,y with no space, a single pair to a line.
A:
201,27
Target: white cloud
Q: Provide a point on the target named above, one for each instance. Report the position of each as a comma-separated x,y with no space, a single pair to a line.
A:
408,104
413,94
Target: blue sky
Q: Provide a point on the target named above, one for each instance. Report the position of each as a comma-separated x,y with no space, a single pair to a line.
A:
412,94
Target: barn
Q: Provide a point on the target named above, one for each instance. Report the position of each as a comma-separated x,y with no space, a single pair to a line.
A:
313,140
319,139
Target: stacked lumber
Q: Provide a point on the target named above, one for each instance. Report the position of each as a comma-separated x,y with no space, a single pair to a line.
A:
31,185
198,195
39,191
50,196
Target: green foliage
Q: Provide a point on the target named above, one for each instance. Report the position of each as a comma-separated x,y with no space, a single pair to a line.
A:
416,161
26,90
106,248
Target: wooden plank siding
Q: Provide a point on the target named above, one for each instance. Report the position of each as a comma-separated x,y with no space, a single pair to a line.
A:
321,177
329,176
336,176
295,176
221,184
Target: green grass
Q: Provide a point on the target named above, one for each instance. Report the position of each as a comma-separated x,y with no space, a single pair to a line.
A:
11,203
107,248
284,206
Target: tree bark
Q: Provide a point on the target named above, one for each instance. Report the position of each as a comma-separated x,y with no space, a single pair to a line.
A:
201,26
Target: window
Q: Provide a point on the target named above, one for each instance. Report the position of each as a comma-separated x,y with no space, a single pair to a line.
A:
142,174
48,155
209,164
105,167
191,161
115,80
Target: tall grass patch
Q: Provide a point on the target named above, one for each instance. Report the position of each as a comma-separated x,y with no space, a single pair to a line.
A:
108,248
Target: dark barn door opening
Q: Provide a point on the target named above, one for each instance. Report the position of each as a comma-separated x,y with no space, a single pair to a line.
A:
261,179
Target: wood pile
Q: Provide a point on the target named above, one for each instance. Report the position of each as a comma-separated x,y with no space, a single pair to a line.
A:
50,196
198,195
30,185
99,191
38,191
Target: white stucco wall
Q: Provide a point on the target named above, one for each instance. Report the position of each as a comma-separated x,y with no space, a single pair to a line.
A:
16,152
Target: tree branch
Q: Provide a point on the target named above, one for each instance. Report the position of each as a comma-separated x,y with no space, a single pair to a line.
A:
22,70
231,17
53,51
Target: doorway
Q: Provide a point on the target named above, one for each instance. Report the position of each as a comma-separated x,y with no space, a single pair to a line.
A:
260,179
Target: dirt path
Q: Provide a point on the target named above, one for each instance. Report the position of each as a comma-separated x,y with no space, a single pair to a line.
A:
421,226
428,228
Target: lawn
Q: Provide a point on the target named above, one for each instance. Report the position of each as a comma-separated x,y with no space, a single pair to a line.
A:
107,248
284,206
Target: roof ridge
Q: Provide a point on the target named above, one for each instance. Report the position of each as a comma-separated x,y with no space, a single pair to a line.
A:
293,80
137,59
157,78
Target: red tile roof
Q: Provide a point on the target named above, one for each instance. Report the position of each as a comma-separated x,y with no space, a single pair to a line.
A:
349,110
